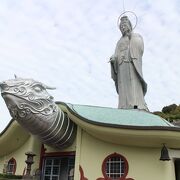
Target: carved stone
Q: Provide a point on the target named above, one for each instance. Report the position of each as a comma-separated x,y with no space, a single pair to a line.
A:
29,163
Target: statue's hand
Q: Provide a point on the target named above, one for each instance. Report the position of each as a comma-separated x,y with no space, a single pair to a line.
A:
112,59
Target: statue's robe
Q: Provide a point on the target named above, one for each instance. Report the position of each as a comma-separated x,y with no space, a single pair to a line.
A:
126,71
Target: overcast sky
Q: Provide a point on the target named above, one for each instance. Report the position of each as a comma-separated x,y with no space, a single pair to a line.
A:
67,44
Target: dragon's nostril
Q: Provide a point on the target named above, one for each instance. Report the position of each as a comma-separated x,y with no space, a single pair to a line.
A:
2,84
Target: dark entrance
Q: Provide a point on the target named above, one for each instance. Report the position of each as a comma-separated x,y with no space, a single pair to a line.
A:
177,168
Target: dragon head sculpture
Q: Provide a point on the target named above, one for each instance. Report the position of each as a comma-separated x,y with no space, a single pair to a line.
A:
33,107
26,96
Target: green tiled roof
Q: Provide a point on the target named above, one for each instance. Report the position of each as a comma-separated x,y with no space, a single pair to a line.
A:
115,116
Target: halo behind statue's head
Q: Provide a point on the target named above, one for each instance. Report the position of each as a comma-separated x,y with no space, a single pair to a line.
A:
131,17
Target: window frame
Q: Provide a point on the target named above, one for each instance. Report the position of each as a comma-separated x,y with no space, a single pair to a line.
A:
13,162
53,156
126,166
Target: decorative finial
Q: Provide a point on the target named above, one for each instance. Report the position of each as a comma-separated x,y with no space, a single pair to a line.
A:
15,76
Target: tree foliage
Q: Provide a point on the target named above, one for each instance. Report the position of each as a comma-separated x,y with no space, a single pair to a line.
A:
170,113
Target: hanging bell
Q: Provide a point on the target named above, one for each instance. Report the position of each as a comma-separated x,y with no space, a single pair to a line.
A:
164,154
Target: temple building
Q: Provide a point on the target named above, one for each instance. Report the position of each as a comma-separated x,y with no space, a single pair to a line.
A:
61,141
109,144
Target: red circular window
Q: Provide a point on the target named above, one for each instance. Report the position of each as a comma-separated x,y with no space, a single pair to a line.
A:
115,167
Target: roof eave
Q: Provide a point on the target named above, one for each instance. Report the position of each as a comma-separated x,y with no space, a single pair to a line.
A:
146,136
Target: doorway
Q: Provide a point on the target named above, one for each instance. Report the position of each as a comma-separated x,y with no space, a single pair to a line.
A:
177,168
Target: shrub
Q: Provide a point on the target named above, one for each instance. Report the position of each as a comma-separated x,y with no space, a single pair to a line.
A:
10,176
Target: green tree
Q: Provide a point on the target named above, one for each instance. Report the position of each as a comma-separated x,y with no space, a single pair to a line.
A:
170,113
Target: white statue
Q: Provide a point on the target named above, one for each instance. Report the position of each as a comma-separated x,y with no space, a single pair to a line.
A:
126,68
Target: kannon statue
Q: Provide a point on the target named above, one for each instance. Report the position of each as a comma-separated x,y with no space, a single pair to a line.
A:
126,68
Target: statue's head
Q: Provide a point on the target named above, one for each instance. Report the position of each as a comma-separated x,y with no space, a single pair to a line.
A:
26,96
125,25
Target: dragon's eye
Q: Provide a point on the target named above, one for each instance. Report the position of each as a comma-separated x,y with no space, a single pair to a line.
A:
37,88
